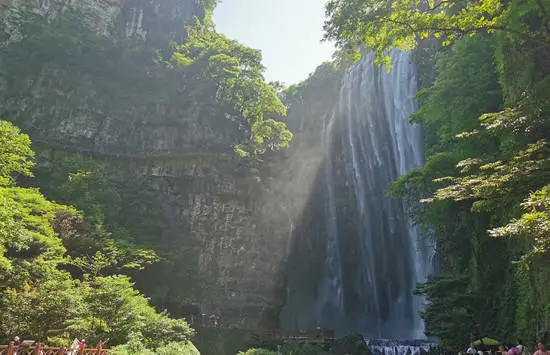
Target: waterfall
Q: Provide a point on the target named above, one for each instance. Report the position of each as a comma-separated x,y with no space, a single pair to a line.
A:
380,146
373,254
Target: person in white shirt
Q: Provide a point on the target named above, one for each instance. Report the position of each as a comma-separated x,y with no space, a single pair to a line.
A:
471,350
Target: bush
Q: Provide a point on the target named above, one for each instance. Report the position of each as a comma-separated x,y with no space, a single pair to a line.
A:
302,349
133,347
353,344
174,348
137,347
289,349
224,341
257,352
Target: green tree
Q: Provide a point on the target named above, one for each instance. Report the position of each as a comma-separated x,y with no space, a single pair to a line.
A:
383,25
534,222
233,77
453,314
30,250
121,219
135,347
15,154
115,310
38,298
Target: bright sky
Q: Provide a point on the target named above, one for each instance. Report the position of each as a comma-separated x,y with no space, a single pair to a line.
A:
288,32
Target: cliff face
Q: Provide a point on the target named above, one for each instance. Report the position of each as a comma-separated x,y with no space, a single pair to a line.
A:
228,233
156,22
234,230
75,108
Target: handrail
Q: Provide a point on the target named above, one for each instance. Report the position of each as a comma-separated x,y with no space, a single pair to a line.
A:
40,349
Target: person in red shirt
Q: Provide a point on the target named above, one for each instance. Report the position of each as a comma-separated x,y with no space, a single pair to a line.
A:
100,344
540,350
82,344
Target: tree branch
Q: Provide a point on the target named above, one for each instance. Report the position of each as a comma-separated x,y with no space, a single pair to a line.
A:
438,5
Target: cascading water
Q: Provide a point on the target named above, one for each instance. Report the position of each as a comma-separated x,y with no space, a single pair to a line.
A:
373,255
331,288
382,145
403,347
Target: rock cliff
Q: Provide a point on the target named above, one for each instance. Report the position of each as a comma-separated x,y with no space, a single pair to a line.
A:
230,231
156,22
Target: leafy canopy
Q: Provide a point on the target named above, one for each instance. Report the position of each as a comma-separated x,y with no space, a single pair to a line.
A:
534,223
383,25
15,153
235,72
490,182
25,214
451,315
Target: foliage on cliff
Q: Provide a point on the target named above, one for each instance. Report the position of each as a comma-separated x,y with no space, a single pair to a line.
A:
209,6
15,154
483,193
328,73
39,297
235,73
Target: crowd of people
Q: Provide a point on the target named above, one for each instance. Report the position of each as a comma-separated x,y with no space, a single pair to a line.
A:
504,350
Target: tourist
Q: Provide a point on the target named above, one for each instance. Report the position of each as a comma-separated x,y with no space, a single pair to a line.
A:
82,344
318,332
74,346
540,350
502,349
472,349
213,320
17,344
516,350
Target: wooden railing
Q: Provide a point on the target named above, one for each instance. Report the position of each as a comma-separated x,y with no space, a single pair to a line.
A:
40,349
